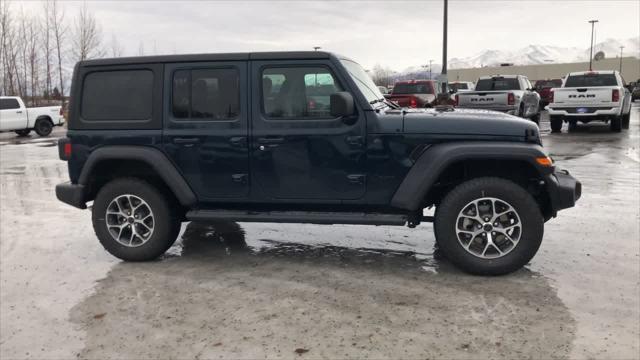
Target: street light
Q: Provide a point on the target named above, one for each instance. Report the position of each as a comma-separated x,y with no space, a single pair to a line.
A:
621,47
593,23
430,61
443,72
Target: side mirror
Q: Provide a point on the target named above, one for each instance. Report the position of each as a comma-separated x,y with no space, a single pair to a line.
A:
341,104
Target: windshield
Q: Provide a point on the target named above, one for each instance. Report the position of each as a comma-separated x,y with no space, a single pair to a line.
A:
458,86
589,80
406,88
497,83
362,80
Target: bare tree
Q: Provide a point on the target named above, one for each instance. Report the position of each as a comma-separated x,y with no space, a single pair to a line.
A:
32,44
87,36
56,17
116,48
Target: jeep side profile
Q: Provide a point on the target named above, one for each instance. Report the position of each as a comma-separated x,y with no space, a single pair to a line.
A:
298,137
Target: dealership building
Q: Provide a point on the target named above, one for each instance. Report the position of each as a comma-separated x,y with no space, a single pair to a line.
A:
630,70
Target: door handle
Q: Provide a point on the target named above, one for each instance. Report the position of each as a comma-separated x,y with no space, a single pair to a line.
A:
355,140
239,178
19,112
186,141
270,140
239,141
356,178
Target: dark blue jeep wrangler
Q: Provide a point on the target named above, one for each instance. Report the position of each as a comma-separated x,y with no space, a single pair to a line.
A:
298,137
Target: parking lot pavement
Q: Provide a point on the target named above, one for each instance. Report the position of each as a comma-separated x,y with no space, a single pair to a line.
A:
252,290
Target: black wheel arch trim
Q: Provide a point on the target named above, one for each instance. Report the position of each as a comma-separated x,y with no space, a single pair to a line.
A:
153,157
435,160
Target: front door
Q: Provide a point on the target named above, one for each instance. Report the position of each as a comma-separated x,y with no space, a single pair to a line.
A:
205,127
12,117
298,150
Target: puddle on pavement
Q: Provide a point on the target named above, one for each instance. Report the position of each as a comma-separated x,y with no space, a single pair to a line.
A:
218,285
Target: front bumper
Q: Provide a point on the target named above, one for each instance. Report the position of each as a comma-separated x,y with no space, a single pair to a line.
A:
563,189
72,194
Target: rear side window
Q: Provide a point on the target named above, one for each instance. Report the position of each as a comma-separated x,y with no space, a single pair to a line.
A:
497,83
459,86
589,80
206,94
7,104
117,95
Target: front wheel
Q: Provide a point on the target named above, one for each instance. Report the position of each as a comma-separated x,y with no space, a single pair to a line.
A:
23,133
133,220
489,226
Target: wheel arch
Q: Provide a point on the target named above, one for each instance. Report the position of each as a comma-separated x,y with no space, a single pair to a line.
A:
443,166
109,162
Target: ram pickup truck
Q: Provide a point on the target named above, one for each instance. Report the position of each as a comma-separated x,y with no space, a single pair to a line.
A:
16,117
590,96
155,141
414,93
512,94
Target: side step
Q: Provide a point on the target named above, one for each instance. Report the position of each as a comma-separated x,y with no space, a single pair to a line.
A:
298,217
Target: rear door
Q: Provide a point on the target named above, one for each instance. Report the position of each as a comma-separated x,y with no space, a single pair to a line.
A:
12,116
298,150
205,127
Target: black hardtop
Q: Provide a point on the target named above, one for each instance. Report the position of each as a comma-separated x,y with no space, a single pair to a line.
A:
271,55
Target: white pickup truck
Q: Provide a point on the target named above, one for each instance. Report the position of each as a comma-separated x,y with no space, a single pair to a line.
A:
590,95
16,117
512,94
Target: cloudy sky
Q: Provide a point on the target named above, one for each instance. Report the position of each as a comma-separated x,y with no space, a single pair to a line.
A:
392,33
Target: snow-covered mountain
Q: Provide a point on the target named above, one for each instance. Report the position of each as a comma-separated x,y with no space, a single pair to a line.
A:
541,54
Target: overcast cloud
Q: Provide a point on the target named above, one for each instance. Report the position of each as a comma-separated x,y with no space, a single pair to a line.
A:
392,33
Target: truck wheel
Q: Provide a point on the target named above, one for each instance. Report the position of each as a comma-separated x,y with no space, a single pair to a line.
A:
616,124
536,119
133,220
43,127
23,133
556,123
626,119
489,226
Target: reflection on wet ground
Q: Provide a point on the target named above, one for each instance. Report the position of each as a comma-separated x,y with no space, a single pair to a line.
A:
248,290
264,297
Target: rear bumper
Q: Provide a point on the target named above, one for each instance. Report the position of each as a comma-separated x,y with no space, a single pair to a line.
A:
592,111
72,194
564,190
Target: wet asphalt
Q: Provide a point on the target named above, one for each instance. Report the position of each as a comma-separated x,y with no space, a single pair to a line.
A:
251,290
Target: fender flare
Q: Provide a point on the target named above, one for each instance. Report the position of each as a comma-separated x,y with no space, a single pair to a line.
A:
151,156
437,158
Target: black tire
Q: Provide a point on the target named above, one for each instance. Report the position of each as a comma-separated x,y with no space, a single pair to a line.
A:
556,123
166,224
626,119
23,133
573,125
522,202
616,124
536,119
43,127
521,111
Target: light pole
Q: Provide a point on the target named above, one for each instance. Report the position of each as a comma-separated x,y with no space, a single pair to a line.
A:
621,47
593,23
444,48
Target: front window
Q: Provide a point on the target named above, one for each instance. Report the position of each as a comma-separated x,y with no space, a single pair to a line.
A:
363,81
497,83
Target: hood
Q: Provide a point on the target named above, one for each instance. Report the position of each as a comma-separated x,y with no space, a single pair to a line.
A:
467,122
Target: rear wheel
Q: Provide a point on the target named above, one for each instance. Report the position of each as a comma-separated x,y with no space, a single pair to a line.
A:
489,226
556,123
616,124
44,127
23,133
626,119
133,220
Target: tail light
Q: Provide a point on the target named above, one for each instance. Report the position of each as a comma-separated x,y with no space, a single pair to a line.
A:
511,99
550,97
455,100
615,95
413,103
61,112
64,149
